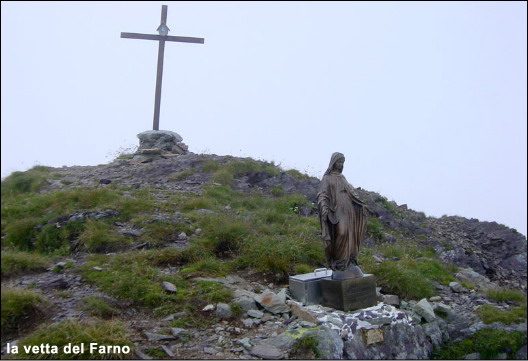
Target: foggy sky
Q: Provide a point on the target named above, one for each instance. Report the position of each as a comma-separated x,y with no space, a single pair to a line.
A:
426,100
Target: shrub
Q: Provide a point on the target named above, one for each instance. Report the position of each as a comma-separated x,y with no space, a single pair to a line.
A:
21,233
79,332
20,308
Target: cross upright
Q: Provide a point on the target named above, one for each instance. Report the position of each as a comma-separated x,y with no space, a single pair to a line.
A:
162,38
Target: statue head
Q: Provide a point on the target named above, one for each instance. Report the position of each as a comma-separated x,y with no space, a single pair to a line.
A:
336,163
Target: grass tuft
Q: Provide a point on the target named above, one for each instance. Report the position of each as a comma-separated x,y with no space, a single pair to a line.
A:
19,262
76,333
20,308
488,343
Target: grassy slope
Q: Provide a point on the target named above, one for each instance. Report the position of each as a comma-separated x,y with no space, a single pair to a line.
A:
261,232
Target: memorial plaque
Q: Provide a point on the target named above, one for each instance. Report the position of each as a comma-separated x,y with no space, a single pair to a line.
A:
349,294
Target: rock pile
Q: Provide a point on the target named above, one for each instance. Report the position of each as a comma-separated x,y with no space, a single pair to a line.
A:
159,144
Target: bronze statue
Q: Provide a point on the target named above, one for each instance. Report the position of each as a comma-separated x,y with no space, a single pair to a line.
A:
343,220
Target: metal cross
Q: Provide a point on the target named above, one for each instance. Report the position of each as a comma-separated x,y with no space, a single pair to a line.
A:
162,38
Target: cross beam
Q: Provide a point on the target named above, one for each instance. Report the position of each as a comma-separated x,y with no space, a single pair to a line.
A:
162,38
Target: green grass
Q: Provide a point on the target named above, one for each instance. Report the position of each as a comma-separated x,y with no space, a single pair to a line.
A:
375,228
25,182
410,271
388,205
305,347
18,262
490,314
134,276
20,308
22,213
298,175
210,166
488,343
226,174
183,175
98,307
79,332
503,295
99,237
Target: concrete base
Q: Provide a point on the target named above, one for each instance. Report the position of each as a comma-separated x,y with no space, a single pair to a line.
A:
349,294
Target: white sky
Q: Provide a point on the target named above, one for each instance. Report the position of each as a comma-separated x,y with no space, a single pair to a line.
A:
426,100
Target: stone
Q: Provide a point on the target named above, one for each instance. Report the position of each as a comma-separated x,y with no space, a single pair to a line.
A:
425,310
208,308
521,353
303,313
255,313
400,341
392,300
158,337
248,322
223,311
433,332
169,287
245,343
272,303
481,282
456,287
141,356
174,316
58,283
179,332
246,303
167,351
435,299
444,311
182,236
267,352
372,336
471,356
210,350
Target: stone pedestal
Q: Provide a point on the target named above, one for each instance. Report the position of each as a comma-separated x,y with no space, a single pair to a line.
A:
349,294
164,140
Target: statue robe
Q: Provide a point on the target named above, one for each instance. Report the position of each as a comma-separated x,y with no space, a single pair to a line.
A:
345,224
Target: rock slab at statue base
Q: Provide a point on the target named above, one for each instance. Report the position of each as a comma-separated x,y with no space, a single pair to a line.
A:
349,294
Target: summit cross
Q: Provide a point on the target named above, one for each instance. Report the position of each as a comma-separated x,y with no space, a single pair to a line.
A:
162,38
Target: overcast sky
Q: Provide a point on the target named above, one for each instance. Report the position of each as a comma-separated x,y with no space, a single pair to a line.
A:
426,100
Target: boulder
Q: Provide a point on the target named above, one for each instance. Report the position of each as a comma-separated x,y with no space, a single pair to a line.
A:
169,287
272,302
303,313
481,282
395,341
223,311
424,309
456,287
